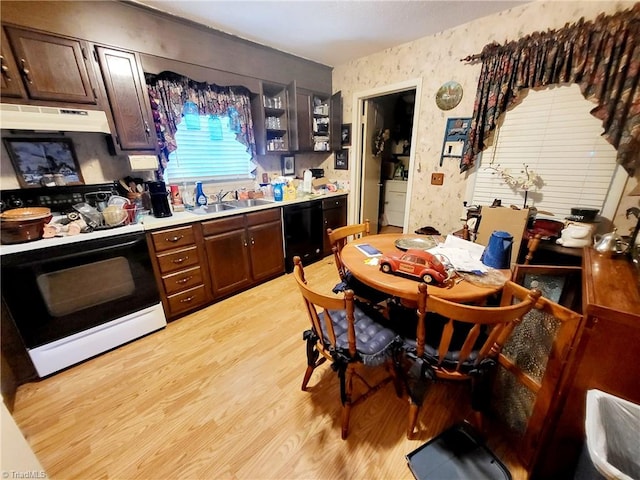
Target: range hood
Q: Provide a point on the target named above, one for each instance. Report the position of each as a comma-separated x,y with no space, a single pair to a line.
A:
32,117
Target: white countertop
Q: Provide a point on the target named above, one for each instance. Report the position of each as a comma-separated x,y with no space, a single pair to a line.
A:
150,223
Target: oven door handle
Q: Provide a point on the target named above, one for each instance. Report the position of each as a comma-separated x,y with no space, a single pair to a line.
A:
102,248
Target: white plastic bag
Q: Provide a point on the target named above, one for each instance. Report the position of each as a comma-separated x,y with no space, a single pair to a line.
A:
612,427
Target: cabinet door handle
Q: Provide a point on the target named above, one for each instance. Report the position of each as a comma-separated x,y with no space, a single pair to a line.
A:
180,260
174,239
146,128
5,69
187,300
184,279
25,71
252,241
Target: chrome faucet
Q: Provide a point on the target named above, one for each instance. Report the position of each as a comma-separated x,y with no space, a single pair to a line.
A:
221,194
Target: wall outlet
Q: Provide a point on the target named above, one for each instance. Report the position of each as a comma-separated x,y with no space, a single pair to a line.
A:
437,178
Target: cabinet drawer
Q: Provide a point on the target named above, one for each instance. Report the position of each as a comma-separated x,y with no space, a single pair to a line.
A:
174,238
177,260
339,202
187,300
227,224
182,280
263,216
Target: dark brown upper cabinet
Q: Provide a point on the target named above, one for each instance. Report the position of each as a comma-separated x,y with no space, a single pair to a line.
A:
128,98
317,118
303,120
10,83
335,121
272,119
50,68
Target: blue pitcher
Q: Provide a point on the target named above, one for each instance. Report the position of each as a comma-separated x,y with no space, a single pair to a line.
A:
498,251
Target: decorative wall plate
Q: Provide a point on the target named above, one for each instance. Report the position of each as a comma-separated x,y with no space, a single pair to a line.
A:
449,95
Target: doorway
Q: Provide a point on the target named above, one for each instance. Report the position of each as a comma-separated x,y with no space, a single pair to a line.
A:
384,143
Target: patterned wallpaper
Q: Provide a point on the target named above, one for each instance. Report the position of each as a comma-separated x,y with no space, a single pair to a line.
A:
436,60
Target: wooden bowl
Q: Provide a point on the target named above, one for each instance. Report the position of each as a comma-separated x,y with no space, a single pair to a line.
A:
23,224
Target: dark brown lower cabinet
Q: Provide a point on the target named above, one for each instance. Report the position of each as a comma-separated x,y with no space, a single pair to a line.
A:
243,250
179,264
334,215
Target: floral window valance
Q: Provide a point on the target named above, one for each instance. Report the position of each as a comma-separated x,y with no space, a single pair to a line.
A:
168,93
601,56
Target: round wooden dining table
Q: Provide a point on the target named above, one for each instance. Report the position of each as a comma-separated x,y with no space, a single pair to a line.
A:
456,289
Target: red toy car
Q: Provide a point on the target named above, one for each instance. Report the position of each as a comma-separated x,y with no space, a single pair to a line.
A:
415,263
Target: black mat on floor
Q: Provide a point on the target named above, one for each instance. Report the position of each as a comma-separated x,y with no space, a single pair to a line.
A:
457,453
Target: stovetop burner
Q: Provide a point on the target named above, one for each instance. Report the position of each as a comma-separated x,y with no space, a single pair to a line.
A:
58,199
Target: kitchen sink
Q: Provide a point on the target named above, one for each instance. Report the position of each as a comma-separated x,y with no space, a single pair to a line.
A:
251,202
230,205
213,208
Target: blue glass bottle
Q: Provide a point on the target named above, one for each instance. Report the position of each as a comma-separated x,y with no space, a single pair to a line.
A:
191,115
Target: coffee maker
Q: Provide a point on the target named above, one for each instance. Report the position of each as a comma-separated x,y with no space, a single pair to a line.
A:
159,199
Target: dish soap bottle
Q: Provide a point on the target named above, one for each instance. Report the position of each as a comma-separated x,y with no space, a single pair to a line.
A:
201,198
289,192
278,192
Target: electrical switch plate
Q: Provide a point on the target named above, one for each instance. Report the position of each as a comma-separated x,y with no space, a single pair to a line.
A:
437,178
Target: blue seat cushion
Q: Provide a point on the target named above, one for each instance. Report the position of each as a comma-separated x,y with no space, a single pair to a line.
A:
374,342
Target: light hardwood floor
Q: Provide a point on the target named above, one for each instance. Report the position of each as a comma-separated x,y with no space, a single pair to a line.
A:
216,395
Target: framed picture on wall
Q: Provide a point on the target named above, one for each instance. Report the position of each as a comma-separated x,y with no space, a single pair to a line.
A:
455,138
341,158
37,160
345,134
288,164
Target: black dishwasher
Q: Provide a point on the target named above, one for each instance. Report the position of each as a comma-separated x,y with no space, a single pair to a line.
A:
303,232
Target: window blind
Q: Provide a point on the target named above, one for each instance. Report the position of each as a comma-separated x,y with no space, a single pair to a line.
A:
208,153
553,133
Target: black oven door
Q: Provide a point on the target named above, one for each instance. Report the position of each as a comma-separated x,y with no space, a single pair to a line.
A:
55,292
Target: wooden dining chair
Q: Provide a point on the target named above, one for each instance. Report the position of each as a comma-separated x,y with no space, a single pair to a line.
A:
338,238
350,339
524,392
459,342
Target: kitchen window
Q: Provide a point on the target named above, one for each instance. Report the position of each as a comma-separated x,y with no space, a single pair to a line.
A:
205,132
551,132
210,152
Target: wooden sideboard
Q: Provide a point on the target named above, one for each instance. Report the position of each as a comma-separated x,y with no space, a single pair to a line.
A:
604,357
